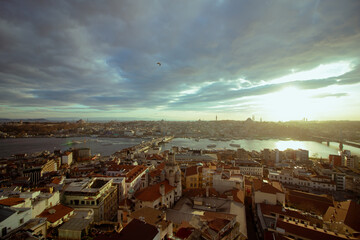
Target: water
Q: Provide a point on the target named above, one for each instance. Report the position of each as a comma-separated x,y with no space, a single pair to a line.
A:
107,146
315,148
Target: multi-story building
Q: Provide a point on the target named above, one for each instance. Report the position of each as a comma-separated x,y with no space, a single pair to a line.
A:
98,194
312,182
132,174
250,168
67,158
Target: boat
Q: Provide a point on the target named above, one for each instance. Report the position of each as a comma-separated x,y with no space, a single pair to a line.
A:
234,145
211,145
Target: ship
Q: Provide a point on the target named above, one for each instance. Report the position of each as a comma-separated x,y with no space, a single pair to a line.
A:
234,145
211,145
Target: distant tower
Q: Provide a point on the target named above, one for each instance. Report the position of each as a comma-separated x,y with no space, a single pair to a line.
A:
173,174
216,117
253,117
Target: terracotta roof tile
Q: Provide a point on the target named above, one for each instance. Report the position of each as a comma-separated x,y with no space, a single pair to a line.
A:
184,233
267,188
152,193
268,209
192,170
307,232
309,202
11,201
218,224
55,213
346,212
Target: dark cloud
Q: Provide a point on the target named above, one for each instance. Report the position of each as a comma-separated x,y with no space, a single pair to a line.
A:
103,55
337,95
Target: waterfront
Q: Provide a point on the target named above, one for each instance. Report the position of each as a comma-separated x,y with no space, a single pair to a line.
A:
107,146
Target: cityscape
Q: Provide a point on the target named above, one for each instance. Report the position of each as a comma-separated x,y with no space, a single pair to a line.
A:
179,120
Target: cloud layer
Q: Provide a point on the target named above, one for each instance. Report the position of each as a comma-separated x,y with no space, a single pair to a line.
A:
101,56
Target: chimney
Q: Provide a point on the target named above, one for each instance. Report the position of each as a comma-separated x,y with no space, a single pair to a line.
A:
162,189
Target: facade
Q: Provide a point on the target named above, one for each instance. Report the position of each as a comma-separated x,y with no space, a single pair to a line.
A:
97,194
67,158
56,215
49,166
172,173
161,195
12,218
313,182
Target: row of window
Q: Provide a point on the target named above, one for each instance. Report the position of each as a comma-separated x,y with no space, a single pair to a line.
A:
83,202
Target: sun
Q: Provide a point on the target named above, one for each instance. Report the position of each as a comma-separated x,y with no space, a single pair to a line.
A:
288,104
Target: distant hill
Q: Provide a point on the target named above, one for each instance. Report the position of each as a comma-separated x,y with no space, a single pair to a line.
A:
24,120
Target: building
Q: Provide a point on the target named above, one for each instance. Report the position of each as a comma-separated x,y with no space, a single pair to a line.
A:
67,158
156,218
343,218
56,215
97,194
267,193
172,173
12,218
133,175
77,226
161,195
317,182
136,229
335,160
193,175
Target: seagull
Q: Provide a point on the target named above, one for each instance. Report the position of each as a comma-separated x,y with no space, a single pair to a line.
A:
159,64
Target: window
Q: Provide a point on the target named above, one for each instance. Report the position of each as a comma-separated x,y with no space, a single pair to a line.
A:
4,231
82,202
21,221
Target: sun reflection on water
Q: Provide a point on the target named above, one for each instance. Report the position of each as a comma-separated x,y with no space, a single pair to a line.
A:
283,145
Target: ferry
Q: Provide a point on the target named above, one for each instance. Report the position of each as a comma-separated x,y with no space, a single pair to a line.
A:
234,145
211,145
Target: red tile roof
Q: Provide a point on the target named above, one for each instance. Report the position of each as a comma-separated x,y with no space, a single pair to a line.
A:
192,170
154,157
11,201
152,193
267,188
308,232
267,209
131,231
239,196
309,202
55,213
346,212
200,192
56,180
218,224
184,233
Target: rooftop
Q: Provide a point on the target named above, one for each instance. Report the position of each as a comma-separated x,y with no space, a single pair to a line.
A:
12,201
131,231
55,213
153,192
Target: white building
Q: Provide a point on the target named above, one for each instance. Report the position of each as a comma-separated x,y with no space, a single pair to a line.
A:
12,218
67,158
313,182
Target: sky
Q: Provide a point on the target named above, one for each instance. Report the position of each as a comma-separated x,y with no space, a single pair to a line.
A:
276,60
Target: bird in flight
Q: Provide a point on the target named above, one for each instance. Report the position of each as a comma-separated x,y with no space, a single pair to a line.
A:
158,63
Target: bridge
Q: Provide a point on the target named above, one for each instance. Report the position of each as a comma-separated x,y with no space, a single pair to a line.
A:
328,140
